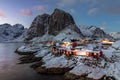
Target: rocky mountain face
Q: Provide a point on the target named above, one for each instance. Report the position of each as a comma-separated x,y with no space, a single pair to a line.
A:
8,32
58,21
51,24
94,32
38,27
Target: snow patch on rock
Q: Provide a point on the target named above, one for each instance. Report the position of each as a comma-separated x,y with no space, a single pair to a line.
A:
59,62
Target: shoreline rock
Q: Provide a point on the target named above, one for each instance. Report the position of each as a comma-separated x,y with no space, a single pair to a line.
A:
37,64
29,59
71,76
53,70
28,49
52,64
25,53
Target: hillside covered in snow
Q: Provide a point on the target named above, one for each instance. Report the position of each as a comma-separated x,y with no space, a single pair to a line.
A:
94,32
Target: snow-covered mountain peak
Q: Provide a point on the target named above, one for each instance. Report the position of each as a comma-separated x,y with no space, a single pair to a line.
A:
20,26
92,28
8,32
93,32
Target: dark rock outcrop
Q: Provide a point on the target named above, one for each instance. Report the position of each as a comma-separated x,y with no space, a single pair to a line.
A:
37,64
59,20
25,52
38,27
29,59
71,76
58,70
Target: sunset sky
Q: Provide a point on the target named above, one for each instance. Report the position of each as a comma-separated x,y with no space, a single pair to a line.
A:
102,13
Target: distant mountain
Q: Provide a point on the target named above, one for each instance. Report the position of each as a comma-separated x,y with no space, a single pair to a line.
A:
51,25
116,35
8,32
94,32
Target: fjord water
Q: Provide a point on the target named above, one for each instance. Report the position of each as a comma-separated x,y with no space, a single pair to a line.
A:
11,70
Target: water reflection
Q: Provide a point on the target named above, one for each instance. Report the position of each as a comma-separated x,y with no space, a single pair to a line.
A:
10,70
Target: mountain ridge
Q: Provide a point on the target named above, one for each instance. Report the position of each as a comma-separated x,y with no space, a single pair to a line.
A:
10,32
51,24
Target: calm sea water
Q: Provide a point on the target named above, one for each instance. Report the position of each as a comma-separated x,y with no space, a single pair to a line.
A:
10,70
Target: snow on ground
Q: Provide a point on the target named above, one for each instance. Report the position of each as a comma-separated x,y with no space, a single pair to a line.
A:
91,46
45,37
59,62
26,49
47,57
67,35
85,31
116,35
113,70
96,73
108,53
29,48
81,69
116,47
42,52
117,44
94,68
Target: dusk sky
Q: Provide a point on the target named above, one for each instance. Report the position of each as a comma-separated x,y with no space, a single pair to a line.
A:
102,13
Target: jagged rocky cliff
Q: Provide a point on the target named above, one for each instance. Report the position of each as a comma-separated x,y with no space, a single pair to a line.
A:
51,24
59,20
39,26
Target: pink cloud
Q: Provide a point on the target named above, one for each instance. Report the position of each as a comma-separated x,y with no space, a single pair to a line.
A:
39,8
2,14
26,12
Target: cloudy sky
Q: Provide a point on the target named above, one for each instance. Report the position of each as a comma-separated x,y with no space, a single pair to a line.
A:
102,13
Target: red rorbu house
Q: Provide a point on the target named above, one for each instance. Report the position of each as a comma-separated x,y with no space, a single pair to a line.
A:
83,52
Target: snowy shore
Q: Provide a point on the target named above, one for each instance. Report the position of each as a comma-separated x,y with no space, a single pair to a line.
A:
76,67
